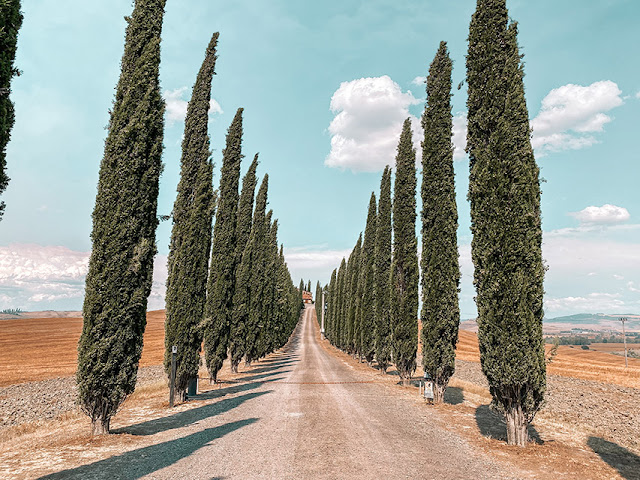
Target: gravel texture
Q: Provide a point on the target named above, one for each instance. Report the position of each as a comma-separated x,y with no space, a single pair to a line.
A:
604,409
47,399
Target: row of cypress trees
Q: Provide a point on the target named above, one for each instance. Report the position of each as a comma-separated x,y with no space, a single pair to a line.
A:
372,299
240,300
504,192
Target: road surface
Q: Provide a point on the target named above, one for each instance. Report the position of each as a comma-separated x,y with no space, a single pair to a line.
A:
303,413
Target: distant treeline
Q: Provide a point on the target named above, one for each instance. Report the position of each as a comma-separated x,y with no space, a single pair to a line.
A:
582,340
12,311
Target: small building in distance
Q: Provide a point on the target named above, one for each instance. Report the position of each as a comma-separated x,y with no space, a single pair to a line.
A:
307,297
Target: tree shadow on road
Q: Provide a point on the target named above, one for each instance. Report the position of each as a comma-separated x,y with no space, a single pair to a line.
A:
627,463
234,388
272,367
187,417
143,461
453,396
492,425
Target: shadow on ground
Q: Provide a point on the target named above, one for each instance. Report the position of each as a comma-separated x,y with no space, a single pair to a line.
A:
143,461
453,396
492,425
236,387
188,417
627,463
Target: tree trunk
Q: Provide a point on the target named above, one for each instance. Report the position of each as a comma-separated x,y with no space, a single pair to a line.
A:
234,366
516,427
438,392
182,395
100,426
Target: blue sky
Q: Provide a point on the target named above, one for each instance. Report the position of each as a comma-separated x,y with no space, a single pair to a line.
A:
325,87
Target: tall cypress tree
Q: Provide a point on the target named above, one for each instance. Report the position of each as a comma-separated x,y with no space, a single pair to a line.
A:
253,277
221,282
440,269
351,341
367,280
383,274
331,302
341,309
241,293
504,191
10,23
190,246
404,270
124,226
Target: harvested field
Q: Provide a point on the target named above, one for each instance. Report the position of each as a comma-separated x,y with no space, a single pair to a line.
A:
571,362
33,349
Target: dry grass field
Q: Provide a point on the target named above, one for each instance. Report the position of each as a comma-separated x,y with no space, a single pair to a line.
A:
573,362
34,349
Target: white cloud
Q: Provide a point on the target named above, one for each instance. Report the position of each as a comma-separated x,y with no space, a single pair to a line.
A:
366,128
572,113
591,303
638,95
459,138
606,214
313,262
33,277
176,105
419,81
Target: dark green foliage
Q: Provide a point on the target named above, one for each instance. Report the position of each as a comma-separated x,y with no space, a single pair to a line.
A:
329,320
309,286
241,293
10,23
221,283
300,290
341,307
383,274
404,269
366,287
351,338
190,246
124,225
504,192
440,270
252,276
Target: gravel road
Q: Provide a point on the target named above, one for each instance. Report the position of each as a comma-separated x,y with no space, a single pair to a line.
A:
302,414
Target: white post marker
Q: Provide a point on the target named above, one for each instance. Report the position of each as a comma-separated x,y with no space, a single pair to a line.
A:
428,387
624,339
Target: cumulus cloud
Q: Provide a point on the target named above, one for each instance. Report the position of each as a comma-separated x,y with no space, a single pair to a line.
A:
459,138
369,113
35,277
572,113
176,105
604,215
592,303
419,81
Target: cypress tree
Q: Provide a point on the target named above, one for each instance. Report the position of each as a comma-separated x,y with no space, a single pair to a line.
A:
504,192
367,279
266,298
190,246
383,274
243,271
331,302
352,338
404,269
440,270
221,282
341,304
300,290
254,273
124,225
10,23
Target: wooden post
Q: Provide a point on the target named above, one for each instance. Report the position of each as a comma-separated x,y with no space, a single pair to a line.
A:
172,381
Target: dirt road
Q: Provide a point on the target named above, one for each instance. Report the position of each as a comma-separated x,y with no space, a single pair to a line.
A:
301,414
